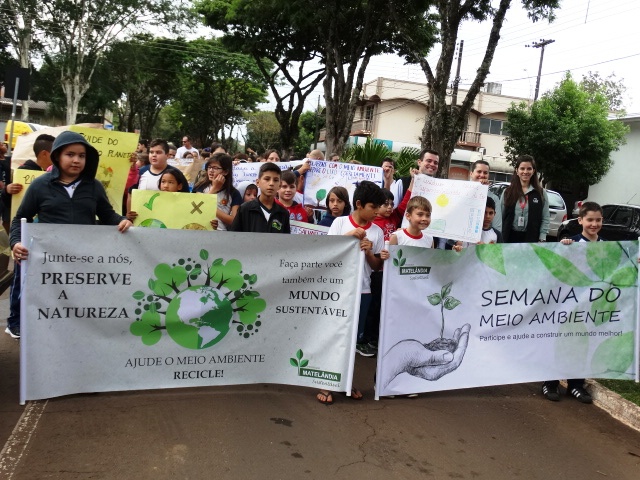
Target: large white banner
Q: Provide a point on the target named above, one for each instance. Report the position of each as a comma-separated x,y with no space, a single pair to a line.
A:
458,207
158,308
507,313
324,175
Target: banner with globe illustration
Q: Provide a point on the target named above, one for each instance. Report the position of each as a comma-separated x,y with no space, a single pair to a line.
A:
160,308
507,313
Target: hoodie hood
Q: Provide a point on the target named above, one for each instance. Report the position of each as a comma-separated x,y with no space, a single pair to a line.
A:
70,138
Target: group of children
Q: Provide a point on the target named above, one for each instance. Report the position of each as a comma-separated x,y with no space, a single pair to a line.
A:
70,194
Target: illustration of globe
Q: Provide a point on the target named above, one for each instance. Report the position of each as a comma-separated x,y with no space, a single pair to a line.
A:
152,223
198,317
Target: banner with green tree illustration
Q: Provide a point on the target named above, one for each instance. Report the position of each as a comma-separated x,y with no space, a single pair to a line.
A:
161,308
507,313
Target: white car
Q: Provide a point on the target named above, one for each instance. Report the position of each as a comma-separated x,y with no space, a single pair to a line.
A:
557,207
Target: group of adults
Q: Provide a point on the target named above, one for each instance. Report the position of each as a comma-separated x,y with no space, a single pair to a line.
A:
522,212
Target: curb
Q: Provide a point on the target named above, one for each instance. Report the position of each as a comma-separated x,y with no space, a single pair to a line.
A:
619,408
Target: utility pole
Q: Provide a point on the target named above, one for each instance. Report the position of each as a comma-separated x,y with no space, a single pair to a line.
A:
456,81
541,44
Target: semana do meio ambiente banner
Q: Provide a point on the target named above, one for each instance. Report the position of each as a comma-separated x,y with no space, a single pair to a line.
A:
507,313
159,308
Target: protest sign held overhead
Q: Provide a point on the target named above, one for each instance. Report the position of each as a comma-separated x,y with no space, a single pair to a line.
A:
177,210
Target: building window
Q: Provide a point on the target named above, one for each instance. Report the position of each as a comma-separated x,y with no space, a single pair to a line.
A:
368,112
493,126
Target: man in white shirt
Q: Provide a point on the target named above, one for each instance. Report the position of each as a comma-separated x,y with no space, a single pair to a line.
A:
186,147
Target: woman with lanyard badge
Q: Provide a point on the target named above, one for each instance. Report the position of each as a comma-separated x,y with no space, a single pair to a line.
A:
525,205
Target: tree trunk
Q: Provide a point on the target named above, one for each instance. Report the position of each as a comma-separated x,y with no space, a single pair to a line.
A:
341,91
445,123
289,107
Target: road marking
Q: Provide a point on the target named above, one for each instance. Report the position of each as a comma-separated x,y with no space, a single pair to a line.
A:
18,442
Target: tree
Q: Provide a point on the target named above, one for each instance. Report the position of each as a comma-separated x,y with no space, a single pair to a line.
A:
568,133
611,87
342,35
148,83
263,131
444,123
217,88
311,123
80,31
282,50
20,29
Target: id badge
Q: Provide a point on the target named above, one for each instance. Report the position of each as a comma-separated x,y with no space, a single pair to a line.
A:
521,221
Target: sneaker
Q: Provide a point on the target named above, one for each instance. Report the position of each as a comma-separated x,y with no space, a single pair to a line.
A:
580,394
550,391
364,350
373,346
13,332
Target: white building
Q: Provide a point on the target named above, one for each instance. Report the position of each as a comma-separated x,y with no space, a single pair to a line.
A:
393,112
620,184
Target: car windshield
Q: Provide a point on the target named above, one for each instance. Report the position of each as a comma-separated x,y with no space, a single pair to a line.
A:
555,201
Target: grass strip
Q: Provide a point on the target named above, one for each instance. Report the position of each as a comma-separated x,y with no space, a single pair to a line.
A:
627,389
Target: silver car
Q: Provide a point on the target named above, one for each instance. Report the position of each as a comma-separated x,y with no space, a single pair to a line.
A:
557,207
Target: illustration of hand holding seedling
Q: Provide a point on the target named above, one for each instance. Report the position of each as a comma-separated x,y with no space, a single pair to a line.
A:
433,360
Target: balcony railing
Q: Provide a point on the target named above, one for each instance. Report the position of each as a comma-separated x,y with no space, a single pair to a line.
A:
359,128
469,139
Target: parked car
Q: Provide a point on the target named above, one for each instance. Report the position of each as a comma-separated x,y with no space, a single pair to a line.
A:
620,222
557,207
576,208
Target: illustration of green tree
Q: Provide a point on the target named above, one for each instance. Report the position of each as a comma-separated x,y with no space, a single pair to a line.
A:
320,195
219,291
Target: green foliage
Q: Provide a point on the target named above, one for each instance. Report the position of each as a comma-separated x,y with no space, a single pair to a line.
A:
100,24
627,389
307,132
263,131
406,159
217,90
141,91
568,133
369,153
611,87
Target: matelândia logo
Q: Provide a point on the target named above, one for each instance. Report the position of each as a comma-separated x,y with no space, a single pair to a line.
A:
302,365
198,303
400,261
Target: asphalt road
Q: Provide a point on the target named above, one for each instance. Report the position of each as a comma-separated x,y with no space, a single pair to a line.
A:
280,432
